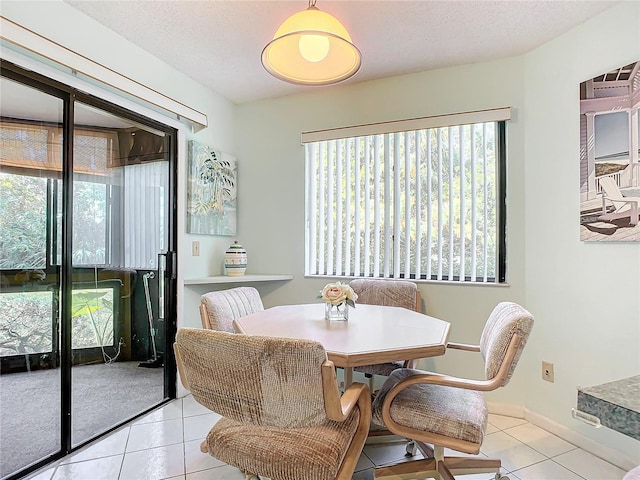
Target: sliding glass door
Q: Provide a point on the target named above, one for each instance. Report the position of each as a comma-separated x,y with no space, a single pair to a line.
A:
30,377
86,255
120,231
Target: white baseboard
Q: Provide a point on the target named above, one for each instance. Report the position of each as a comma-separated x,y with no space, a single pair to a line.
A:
606,453
507,410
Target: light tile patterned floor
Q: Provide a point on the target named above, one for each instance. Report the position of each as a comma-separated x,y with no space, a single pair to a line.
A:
165,445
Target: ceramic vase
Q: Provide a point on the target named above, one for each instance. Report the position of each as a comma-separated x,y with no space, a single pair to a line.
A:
235,260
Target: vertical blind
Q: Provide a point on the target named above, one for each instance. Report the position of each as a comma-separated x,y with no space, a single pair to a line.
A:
420,203
145,214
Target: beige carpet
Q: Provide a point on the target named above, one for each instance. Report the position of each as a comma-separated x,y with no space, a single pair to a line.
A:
102,396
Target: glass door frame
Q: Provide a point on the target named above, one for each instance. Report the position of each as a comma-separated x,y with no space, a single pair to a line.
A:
69,96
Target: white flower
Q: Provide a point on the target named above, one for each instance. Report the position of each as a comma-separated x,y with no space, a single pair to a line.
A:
338,293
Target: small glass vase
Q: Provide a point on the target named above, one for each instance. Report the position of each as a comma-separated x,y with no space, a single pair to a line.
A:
339,313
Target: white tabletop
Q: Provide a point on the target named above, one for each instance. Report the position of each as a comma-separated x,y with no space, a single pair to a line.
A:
373,334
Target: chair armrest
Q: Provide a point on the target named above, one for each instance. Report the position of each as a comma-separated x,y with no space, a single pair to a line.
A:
463,346
337,407
204,317
181,373
450,381
357,394
445,380
420,377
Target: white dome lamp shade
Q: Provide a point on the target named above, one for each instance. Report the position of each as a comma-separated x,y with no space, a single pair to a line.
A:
311,48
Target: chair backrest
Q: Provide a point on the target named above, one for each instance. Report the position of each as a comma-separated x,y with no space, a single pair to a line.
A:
506,320
611,189
393,293
254,380
219,309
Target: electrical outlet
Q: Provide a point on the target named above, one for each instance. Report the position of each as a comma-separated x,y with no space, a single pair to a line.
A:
195,248
547,372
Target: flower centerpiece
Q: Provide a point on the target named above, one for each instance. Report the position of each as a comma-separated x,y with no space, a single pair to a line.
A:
338,297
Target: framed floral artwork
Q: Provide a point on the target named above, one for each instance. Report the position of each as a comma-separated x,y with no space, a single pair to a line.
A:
211,191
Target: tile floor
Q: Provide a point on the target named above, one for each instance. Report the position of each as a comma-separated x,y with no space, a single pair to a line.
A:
165,445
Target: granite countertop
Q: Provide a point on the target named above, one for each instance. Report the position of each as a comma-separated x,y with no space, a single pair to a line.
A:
616,404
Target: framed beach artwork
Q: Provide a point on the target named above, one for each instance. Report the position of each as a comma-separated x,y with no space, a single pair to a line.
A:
609,156
211,191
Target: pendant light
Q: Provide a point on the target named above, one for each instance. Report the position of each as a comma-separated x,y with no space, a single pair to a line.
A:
311,48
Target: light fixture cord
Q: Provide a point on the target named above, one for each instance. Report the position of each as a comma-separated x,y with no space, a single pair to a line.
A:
312,3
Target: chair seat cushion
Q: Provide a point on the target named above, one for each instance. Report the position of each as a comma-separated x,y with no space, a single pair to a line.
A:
451,412
313,453
384,369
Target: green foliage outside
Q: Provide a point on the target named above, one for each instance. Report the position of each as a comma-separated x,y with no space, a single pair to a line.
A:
23,222
26,320
25,323
446,193
23,210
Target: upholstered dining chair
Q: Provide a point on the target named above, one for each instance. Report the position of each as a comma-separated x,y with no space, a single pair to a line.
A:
282,414
219,309
450,412
393,293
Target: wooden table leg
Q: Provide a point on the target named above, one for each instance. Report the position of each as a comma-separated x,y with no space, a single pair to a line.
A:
348,376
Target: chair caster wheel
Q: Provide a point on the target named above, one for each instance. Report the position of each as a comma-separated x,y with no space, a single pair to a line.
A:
500,477
411,449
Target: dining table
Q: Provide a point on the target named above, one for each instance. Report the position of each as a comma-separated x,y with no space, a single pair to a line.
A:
372,334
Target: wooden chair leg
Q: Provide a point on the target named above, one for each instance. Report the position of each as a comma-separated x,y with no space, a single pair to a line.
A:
426,450
436,465
444,472
467,465
423,468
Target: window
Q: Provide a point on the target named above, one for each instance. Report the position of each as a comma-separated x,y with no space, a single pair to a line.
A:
112,195
23,220
417,199
26,324
31,167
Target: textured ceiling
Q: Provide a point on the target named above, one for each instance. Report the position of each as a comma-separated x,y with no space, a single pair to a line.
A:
218,43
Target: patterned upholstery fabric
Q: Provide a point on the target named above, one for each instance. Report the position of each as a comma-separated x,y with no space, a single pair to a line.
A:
452,412
506,320
313,453
392,293
224,306
269,391
256,380
384,369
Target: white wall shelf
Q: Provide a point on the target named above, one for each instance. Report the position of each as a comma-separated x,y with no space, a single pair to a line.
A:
239,279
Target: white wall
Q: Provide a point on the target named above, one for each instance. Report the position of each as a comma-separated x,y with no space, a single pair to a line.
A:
585,296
